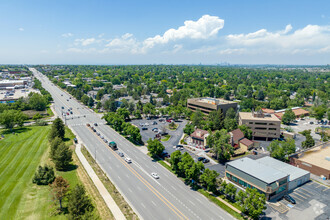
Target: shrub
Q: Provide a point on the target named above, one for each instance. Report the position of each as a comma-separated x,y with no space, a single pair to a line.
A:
44,175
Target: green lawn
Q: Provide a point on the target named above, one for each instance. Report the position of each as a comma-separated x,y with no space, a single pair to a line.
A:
166,137
20,156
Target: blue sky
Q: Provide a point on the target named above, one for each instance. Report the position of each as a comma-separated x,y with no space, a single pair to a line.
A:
165,32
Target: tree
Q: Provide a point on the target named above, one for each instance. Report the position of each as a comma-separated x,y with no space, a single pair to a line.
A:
230,191
85,99
281,149
175,159
44,175
10,118
59,189
57,130
209,180
231,113
219,142
253,203
216,119
155,147
53,146
309,142
36,116
90,102
230,124
193,173
246,131
62,157
188,129
123,112
79,204
288,117
110,105
261,95
186,162
37,102
197,118
319,112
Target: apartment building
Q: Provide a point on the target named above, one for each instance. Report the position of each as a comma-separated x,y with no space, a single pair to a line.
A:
207,105
264,126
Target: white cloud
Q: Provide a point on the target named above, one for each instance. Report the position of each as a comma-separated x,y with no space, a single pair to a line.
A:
67,35
84,42
125,43
21,29
205,27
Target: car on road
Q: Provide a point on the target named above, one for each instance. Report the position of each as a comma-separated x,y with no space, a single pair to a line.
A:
155,175
61,94
168,120
88,125
121,154
105,140
161,120
200,158
206,160
71,113
155,129
67,113
128,160
311,122
102,137
95,124
62,107
98,133
67,100
144,128
289,199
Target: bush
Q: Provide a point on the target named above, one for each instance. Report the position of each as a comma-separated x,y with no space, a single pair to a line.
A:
40,122
44,175
36,116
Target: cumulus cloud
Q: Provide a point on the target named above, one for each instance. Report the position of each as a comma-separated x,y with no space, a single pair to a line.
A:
205,27
21,29
67,35
125,43
84,42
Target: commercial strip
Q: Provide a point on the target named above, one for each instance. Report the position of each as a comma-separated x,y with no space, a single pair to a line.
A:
207,105
269,176
263,125
316,160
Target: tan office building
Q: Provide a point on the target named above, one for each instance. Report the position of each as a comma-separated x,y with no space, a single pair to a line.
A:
264,126
207,105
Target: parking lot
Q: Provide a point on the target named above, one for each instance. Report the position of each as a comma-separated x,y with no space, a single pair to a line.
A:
302,125
312,202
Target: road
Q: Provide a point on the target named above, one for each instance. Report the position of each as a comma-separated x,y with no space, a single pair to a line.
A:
165,198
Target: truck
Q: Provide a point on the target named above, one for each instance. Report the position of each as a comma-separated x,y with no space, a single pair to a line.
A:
113,145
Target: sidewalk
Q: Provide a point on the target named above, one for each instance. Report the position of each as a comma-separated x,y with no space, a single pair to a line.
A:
117,213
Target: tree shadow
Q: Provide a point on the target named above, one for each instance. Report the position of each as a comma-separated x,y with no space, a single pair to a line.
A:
66,139
16,130
70,167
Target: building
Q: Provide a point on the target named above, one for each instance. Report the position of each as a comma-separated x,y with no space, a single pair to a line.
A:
316,161
198,138
207,105
263,126
272,177
299,112
250,173
235,136
245,144
297,176
8,84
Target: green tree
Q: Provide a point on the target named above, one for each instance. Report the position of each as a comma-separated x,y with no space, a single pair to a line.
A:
253,203
124,113
309,142
288,117
319,112
57,130
84,99
231,113
281,149
219,142
246,131
230,124
230,191
79,204
36,116
110,105
197,118
44,175
57,141
10,118
155,147
37,102
59,189
175,159
62,157
193,173
188,129
216,119
90,102
261,95
209,180
186,162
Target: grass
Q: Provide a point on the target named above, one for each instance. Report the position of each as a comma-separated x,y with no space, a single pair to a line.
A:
120,201
50,112
166,137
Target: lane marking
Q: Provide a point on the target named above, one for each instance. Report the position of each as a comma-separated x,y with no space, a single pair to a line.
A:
299,195
129,189
143,205
153,203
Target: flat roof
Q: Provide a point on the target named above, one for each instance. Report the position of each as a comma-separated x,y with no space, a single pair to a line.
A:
292,171
318,157
212,101
249,115
258,170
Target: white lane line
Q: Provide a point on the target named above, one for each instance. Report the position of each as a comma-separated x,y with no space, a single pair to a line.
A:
138,188
173,187
191,202
127,176
119,177
143,205
129,189
153,203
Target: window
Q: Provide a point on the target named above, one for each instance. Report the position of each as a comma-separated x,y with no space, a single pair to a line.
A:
251,123
261,123
228,175
273,129
282,182
272,124
259,128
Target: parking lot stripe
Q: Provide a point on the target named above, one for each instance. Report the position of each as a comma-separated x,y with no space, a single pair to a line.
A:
300,195
303,193
296,198
325,189
307,191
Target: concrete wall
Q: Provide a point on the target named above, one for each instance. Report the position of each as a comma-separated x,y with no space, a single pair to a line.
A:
299,181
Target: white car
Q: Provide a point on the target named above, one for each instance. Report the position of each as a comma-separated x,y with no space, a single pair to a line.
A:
155,175
128,160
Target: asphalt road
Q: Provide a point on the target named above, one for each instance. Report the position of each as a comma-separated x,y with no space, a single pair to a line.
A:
165,198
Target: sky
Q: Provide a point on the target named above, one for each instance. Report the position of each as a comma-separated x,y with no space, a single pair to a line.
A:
293,32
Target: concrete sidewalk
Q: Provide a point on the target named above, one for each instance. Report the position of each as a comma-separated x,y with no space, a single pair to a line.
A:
117,213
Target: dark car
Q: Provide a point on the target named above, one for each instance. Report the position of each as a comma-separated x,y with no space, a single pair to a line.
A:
206,160
200,158
144,128
95,124
289,199
75,140
154,123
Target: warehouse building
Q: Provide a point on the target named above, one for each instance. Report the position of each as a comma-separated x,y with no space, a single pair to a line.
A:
207,105
267,175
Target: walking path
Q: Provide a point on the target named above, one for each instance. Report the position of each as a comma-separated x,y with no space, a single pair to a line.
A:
117,213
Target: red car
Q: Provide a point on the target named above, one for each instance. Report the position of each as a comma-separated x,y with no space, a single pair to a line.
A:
169,120
67,113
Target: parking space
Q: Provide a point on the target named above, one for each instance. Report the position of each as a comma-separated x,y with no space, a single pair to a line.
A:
312,201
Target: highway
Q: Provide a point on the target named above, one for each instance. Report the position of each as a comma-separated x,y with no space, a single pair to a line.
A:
163,198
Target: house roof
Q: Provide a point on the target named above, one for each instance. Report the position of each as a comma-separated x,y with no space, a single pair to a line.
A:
267,110
258,170
199,133
246,142
237,135
297,111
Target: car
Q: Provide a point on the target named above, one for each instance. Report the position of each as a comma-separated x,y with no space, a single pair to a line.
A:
67,100
141,124
105,140
155,175
289,199
311,122
75,140
144,128
200,158
88,125
61,94
95,124
62,107
67,113
128,160
71,113
168,120
206,160
154,123
102,137
98,134
161,120
155,129
69,97
121,154
94,129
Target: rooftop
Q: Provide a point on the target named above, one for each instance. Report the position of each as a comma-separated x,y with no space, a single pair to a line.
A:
246,142
317,156
249,115
288,169
258,170
212,101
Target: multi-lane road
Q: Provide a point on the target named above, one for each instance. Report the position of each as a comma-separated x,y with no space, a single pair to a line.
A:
163,198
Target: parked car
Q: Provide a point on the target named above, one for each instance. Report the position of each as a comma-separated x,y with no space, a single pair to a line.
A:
95,124
289,199
206,160
144,128
121,154
154,123
161,120
67,113
105,140
311,122
128,160
75,140
88,125
155,175
200,158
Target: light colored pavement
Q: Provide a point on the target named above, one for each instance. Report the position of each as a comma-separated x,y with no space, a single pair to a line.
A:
117,213
165,198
